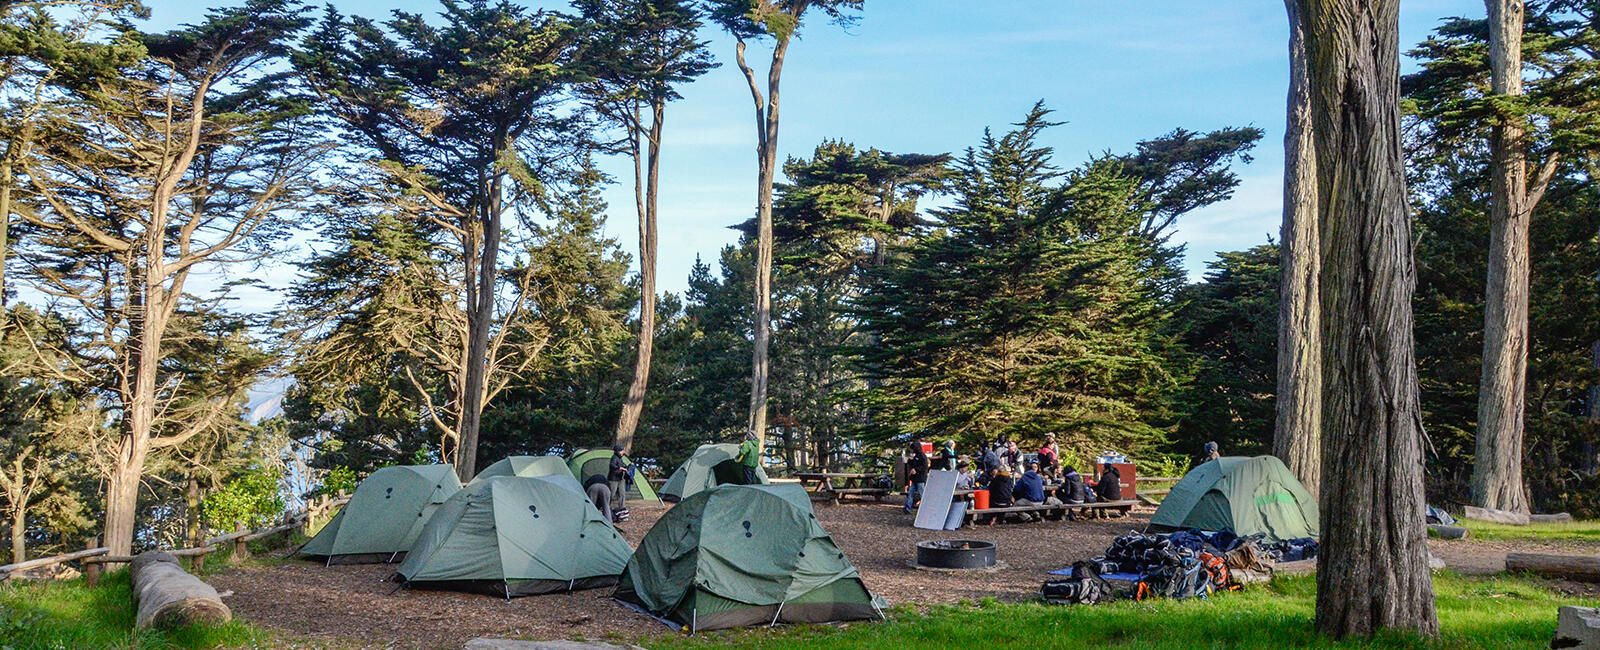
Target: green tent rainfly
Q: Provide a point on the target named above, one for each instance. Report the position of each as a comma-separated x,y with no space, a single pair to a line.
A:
515,536
550,467
710,466
1243,495
385,515
585,463
742,555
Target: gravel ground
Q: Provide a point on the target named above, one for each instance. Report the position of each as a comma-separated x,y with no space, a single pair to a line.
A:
352,606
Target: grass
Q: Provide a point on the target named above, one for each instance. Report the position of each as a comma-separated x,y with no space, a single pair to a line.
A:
69,614
1473,613
1580,531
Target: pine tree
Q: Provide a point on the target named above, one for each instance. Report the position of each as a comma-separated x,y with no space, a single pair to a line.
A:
1229,323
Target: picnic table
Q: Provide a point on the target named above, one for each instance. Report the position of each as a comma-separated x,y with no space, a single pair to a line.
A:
832,486
1053,512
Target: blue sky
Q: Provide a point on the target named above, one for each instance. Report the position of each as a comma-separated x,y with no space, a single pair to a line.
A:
929,75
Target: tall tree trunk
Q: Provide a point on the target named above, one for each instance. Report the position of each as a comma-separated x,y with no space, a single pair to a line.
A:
1502,389
767,164
1373,570
6,179
633,406
122,489
480,322
1299,427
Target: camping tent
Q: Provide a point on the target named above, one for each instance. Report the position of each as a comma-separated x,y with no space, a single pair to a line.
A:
385,515
710,466
585,463
742,555
1243,495
550,467
516,536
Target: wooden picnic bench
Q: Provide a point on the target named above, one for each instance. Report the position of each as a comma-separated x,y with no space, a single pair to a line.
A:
858,484
1053,512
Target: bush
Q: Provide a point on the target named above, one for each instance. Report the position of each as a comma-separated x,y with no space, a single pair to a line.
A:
338,479
250,501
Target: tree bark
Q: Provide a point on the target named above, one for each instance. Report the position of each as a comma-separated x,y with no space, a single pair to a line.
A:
1299,426
1502,388
1373,568
633,405
480,320
168,596
19,529
6,179
767,163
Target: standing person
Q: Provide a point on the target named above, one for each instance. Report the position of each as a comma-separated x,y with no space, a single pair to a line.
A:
750,459
1050,456
916,475
1109,486
1013,457
620,475
948,456
991,462
599,491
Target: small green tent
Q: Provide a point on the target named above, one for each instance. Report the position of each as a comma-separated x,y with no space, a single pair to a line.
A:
710,466
585,463
385,515
742,555
515,536
550,467
1243,495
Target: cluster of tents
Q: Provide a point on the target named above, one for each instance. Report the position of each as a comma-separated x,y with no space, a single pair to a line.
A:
726,555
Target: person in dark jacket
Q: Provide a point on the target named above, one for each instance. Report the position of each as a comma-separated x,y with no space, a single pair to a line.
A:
1109,486
991,462
1000,488
599,492
948,456
1071,489
619,475
916,475
1029,490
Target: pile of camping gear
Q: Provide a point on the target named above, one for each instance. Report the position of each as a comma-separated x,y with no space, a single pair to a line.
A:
727,555
1228,521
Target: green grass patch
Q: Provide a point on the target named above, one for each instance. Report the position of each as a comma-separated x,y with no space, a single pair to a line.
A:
1576,531
1473,613
69,614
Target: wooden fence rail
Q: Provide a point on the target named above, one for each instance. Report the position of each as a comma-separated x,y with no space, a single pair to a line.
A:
94,557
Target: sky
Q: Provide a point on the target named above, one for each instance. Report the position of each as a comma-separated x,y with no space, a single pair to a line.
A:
929,76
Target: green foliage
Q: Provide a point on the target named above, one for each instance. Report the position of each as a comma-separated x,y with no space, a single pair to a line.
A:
52,615
778,19
1035,309
1473,613
1229,323
250,501
339,479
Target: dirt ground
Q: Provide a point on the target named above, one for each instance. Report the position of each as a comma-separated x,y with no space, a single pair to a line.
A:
352,606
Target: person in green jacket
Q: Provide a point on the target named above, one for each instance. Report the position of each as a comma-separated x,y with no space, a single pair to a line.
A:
750,458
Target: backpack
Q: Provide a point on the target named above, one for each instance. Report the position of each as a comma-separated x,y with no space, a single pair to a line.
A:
1216,570
1186,579
1085,587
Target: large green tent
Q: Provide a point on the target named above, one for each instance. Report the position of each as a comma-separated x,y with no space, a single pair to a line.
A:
385,515
741,555
515,536
585,463
710,466
550,467
1243,495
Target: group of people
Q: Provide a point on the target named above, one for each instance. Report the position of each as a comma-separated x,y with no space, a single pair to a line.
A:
1010,476
609,491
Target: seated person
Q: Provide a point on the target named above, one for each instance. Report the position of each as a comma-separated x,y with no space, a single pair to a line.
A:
965,478
1000,488
1109,487
1072,490
1029,490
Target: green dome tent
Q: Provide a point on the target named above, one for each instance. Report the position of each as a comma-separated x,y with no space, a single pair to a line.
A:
385,515
515,536
710,466
742,555
585,463
550,467
1243,495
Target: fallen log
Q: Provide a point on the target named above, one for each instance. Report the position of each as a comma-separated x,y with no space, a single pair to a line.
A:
1448,532
1557,518
1583,568
169,596
1496,516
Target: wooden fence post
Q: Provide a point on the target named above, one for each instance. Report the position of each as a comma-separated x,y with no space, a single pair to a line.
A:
241,551
91,569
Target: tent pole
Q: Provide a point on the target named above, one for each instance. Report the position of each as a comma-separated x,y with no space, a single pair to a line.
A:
776,614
